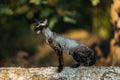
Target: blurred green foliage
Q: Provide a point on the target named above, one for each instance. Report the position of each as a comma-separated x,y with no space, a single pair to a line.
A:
17,16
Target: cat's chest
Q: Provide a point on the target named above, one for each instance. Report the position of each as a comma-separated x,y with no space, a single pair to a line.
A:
66,44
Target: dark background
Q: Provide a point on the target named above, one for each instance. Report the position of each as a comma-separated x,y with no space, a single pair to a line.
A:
87,21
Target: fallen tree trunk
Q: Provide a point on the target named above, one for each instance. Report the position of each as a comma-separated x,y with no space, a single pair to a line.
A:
114,56
49,73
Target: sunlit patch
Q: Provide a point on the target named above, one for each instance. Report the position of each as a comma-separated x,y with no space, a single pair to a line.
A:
12,76
20,78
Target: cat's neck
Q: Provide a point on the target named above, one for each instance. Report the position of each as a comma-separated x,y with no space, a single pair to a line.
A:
47,32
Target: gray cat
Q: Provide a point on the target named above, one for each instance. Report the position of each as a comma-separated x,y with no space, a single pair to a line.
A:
82,54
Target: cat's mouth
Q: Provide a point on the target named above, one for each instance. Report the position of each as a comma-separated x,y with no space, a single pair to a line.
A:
37,30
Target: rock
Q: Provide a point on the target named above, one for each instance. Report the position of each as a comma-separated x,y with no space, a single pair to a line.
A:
49,73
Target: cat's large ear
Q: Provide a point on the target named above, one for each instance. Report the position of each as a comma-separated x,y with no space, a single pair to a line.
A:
40,25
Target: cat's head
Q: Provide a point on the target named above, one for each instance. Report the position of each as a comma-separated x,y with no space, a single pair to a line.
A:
40,25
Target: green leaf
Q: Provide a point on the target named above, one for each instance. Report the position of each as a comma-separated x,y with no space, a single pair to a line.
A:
30,14
95,2
36,2
22,9
103,33
46,12
6,10
69,19
44,1
52,22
